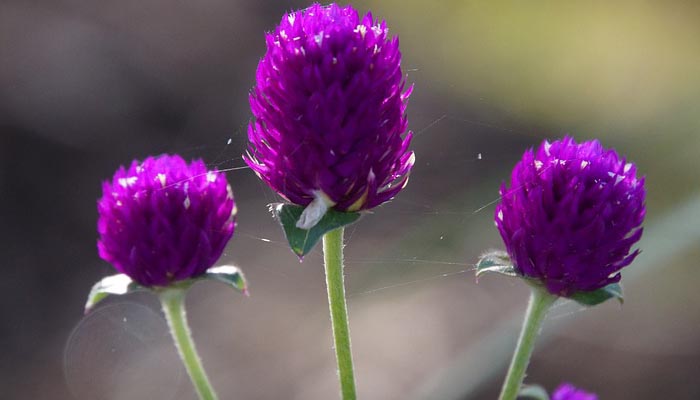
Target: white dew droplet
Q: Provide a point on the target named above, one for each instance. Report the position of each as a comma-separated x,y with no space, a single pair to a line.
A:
538,164
229,141
163,179
211,176
500,215
478,156
187,203
584,164
627,168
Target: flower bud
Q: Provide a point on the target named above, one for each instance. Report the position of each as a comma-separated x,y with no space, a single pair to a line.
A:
571,215
162,220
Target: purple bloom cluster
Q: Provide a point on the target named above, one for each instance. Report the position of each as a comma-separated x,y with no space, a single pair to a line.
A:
567,391
571,215
163,220
329,108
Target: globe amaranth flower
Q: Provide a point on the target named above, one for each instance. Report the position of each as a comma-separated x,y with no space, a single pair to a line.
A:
571,215
329,111
567,391
162,220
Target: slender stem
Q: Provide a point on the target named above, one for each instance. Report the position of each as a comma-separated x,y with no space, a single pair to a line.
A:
540,301
333,258
172,300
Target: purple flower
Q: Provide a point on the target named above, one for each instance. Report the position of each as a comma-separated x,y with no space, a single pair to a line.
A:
567,391
571,215
163,220
329,108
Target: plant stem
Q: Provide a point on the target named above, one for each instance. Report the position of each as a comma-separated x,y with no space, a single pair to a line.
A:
333,259
172,300
540,301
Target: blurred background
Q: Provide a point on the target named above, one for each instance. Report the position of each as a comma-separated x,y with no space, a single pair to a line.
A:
87,86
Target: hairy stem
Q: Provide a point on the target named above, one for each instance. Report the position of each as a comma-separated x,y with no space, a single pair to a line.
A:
540,301
333,259
172,300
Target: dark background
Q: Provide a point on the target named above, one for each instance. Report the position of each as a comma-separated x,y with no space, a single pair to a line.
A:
87,86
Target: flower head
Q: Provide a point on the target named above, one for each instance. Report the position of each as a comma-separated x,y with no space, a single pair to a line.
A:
567,391
163,220
329,108
571,215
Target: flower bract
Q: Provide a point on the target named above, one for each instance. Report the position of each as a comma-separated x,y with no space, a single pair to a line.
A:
571,215
329,111
567,391
164,220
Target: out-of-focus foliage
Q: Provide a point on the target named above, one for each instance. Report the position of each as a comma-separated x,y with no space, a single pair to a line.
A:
627,72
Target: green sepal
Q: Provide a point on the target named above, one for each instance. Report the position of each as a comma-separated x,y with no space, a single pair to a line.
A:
115,284
536,392
496,261
228,274
302,241
595,297
121,284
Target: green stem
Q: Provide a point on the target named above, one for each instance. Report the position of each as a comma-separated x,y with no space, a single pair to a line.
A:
333,259
172,300
540,301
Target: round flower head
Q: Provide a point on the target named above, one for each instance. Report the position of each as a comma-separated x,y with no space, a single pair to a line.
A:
163,220
329,108
567,391
571,215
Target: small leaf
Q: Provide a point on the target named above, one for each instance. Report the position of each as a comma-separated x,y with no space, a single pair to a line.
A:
230,275
496,261
115,284
303,240
612,291
533,392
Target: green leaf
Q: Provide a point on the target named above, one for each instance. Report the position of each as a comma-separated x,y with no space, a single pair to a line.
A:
230,275
533,392
115,284
496,261
612,291
303,240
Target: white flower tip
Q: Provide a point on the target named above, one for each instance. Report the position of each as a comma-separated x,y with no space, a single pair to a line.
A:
314,212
